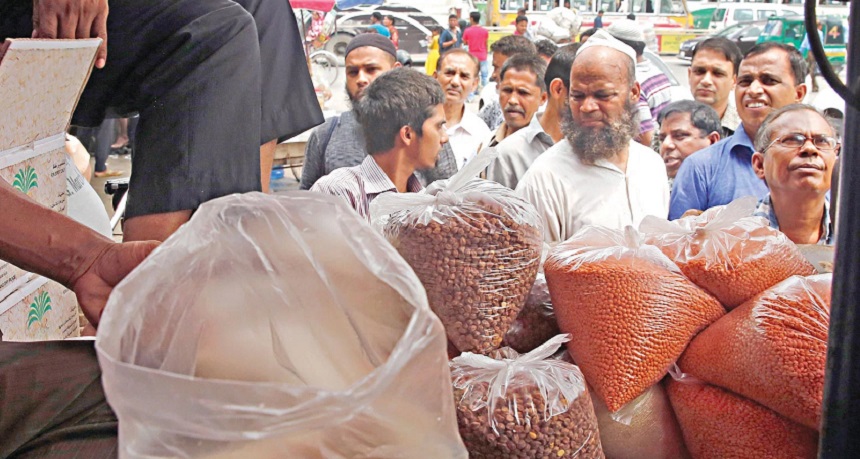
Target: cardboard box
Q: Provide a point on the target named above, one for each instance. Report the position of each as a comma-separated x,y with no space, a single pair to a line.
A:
40,84
40,310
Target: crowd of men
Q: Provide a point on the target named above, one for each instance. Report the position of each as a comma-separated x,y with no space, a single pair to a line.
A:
573,135
591,136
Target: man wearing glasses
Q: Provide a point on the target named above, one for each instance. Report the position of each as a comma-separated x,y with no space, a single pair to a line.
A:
795,155
771,76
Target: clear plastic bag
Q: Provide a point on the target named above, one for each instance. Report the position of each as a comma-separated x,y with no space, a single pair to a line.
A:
476,247
629,310
524,406
276,326
536,322
727,251
772,349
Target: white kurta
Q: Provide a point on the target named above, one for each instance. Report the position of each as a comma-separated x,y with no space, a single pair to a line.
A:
570,195
466,137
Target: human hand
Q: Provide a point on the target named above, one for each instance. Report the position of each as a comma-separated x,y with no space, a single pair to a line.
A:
72,19
108,268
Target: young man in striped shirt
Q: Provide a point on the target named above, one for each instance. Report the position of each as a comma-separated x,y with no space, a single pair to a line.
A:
404,111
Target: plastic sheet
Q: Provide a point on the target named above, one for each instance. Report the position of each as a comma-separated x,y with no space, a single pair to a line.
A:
476,247
524,406
276,326
629,310
727,251
772,349
536,322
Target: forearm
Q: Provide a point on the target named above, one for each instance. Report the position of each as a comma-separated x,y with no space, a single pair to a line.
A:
43,241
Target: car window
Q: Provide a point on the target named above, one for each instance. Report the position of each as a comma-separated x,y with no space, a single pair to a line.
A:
743,15
719,14
764,14
773,29
729,30
753,31
426,21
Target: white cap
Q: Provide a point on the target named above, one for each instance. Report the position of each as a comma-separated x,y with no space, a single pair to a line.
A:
626,29
603,38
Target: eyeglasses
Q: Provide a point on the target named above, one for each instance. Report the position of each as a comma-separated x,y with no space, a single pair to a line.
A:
797,140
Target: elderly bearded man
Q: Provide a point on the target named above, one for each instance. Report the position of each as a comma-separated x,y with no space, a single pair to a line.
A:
597,175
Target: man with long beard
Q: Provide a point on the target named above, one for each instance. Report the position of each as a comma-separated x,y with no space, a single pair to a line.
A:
597,174
340,141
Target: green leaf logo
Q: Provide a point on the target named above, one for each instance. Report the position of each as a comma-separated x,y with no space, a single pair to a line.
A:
26,179
38,308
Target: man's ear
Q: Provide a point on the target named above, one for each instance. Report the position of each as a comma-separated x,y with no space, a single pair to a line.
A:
758,164
396,64
800,92
634,92
557,90
714,137
406,135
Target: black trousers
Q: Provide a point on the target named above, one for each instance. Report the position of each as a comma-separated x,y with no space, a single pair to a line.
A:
52,404
212,80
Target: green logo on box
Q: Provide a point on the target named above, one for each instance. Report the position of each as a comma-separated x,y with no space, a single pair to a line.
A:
38,308
26,179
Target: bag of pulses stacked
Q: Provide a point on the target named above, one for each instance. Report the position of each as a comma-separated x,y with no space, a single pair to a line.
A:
751,384
474,245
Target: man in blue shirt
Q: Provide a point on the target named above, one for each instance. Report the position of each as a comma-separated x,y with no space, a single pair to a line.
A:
376,25
451,37
771,76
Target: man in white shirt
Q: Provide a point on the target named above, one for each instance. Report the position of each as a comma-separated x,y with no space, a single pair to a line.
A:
522,91
519,151
597,175
457,72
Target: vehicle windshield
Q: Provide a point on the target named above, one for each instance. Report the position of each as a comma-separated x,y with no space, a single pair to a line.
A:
729,30
773,29
719,14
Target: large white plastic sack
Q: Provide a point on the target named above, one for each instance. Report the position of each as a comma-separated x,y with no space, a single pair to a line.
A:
277,326
560,24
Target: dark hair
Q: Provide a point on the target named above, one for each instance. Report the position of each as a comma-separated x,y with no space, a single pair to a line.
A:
588,33
522,19
702,116
521,12
600,12
397,98
459,51
530,62
513,44
723,45
795,59
376,15
559,65
546,47
762,137
452,16
392,19
475,16
638,46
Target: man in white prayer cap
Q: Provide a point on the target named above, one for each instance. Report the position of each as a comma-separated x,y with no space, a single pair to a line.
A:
597,174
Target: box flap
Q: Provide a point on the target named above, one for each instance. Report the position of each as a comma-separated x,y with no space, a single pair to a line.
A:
40,84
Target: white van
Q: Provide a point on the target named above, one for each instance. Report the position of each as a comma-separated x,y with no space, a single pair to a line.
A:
727,14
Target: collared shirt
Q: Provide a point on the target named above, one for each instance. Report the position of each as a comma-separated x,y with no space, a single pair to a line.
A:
765,209
466,136
475,37
570,194
716,175
339,142
361,184
517,153
730,120
656,87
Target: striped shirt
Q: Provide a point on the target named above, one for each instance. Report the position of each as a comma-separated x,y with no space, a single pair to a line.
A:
765,209
655,86
359,185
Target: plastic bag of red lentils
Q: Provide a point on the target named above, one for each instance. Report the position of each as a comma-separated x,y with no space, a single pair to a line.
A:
727,251
719,424
630,311
524,406
772,349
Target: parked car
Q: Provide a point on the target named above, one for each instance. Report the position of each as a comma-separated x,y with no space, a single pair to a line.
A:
728,14
744,34
413,26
